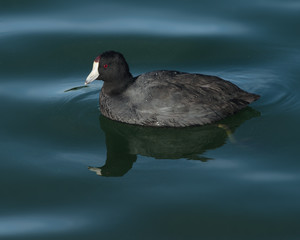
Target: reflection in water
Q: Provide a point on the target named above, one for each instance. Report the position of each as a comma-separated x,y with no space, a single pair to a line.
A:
124,142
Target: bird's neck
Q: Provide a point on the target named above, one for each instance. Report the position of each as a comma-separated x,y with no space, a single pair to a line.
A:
118,85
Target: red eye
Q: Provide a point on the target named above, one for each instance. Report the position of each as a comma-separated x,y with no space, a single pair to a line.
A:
105,65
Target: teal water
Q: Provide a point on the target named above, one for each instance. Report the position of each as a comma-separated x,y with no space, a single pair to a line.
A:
194,183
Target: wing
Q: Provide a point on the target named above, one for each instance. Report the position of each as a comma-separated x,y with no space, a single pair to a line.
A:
181,99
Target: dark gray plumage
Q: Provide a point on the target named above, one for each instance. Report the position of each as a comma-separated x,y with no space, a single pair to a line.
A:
165,98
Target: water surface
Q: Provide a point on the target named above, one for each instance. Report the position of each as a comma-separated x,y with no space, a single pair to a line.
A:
69,173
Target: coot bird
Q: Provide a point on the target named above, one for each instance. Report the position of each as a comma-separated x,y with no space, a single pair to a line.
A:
163,98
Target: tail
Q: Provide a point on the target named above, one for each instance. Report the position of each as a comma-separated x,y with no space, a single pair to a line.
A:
244,99
251,97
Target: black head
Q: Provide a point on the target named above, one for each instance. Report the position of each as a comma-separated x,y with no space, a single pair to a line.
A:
110,67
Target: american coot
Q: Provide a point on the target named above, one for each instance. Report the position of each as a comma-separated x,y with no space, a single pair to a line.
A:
163,98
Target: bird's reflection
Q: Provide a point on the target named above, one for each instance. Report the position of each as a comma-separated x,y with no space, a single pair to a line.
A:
124,142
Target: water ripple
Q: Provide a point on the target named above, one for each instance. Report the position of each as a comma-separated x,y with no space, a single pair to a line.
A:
41,223
271,177
276,95
129,25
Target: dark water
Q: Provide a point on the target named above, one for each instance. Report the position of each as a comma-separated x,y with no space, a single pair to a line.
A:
238,180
